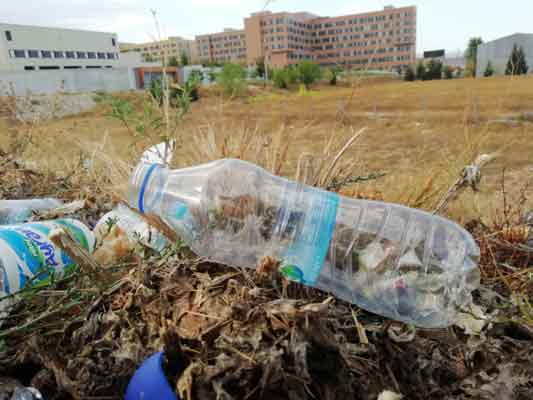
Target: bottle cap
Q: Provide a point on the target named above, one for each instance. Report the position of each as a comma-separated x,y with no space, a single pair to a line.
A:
150,382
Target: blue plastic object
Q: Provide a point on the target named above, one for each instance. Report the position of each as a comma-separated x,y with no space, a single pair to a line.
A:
149,382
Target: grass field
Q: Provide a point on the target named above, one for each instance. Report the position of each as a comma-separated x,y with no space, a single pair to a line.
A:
421,134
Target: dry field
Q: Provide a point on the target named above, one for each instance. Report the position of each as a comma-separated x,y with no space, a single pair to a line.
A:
421,134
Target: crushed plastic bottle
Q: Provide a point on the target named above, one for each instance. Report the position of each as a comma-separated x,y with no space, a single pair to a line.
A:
398,262
28,256
19,211
26,394
134,227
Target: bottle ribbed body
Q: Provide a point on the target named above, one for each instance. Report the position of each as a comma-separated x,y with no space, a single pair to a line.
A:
402,263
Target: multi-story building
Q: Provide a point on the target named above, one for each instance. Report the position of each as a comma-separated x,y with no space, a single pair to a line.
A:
33,48
229,45
383,39
174,46
280,38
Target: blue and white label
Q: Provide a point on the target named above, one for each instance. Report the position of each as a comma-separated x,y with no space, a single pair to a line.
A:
304,259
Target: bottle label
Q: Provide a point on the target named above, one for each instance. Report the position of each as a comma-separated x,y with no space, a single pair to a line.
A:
304,259
26,252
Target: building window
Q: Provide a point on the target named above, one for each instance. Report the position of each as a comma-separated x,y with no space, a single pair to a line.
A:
70,54
33,53
113,42
46,54
19,53
81,54
9,37
101,56
110,56
29,68
48,67
93,66
72,67
91,55
59,54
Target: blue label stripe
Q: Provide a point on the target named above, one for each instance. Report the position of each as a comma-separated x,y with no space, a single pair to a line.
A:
307,254
144,184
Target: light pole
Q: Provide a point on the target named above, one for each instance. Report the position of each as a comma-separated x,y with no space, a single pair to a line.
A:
265,59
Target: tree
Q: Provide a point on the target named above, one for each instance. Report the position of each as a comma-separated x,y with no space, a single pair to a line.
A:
410,74
448,72
260,67
232,79
421,71
172,61
332,74
148,58
309,72
434,69
489,71
471,55
280,78
184,59
517,64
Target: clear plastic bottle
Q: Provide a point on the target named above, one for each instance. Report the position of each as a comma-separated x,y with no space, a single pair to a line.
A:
398,262
19,211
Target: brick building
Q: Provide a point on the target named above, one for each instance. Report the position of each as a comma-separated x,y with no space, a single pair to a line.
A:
229,45
174,46
383,39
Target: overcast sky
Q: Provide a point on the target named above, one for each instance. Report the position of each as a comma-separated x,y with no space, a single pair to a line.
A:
441,23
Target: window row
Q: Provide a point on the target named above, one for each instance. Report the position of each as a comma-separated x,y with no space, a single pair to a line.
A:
57,54
56,67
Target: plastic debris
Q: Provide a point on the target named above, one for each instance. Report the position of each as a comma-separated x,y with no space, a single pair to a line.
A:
29,257
19,211
402,263
160,153
150,382
26,394
120,230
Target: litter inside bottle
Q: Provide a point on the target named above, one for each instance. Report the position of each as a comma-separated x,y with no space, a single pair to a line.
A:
398,262
19,211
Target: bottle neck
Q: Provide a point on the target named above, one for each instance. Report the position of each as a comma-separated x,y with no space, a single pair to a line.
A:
146,186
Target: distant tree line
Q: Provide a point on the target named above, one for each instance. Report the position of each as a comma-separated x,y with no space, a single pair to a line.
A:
426,71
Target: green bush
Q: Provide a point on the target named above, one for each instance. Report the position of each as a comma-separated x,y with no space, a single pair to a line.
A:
448,72
280,78
421,71
434,69
332,75
309,72
232,79
409,75
489,71
517,64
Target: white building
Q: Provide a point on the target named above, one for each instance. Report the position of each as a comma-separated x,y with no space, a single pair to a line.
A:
498,52
33,48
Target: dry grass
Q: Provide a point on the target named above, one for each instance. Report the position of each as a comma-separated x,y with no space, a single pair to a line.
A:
422,134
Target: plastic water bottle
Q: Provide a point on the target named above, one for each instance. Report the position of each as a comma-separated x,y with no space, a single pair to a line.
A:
19,211
402,263
28,256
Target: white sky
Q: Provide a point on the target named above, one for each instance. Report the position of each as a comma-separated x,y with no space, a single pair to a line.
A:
441,23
